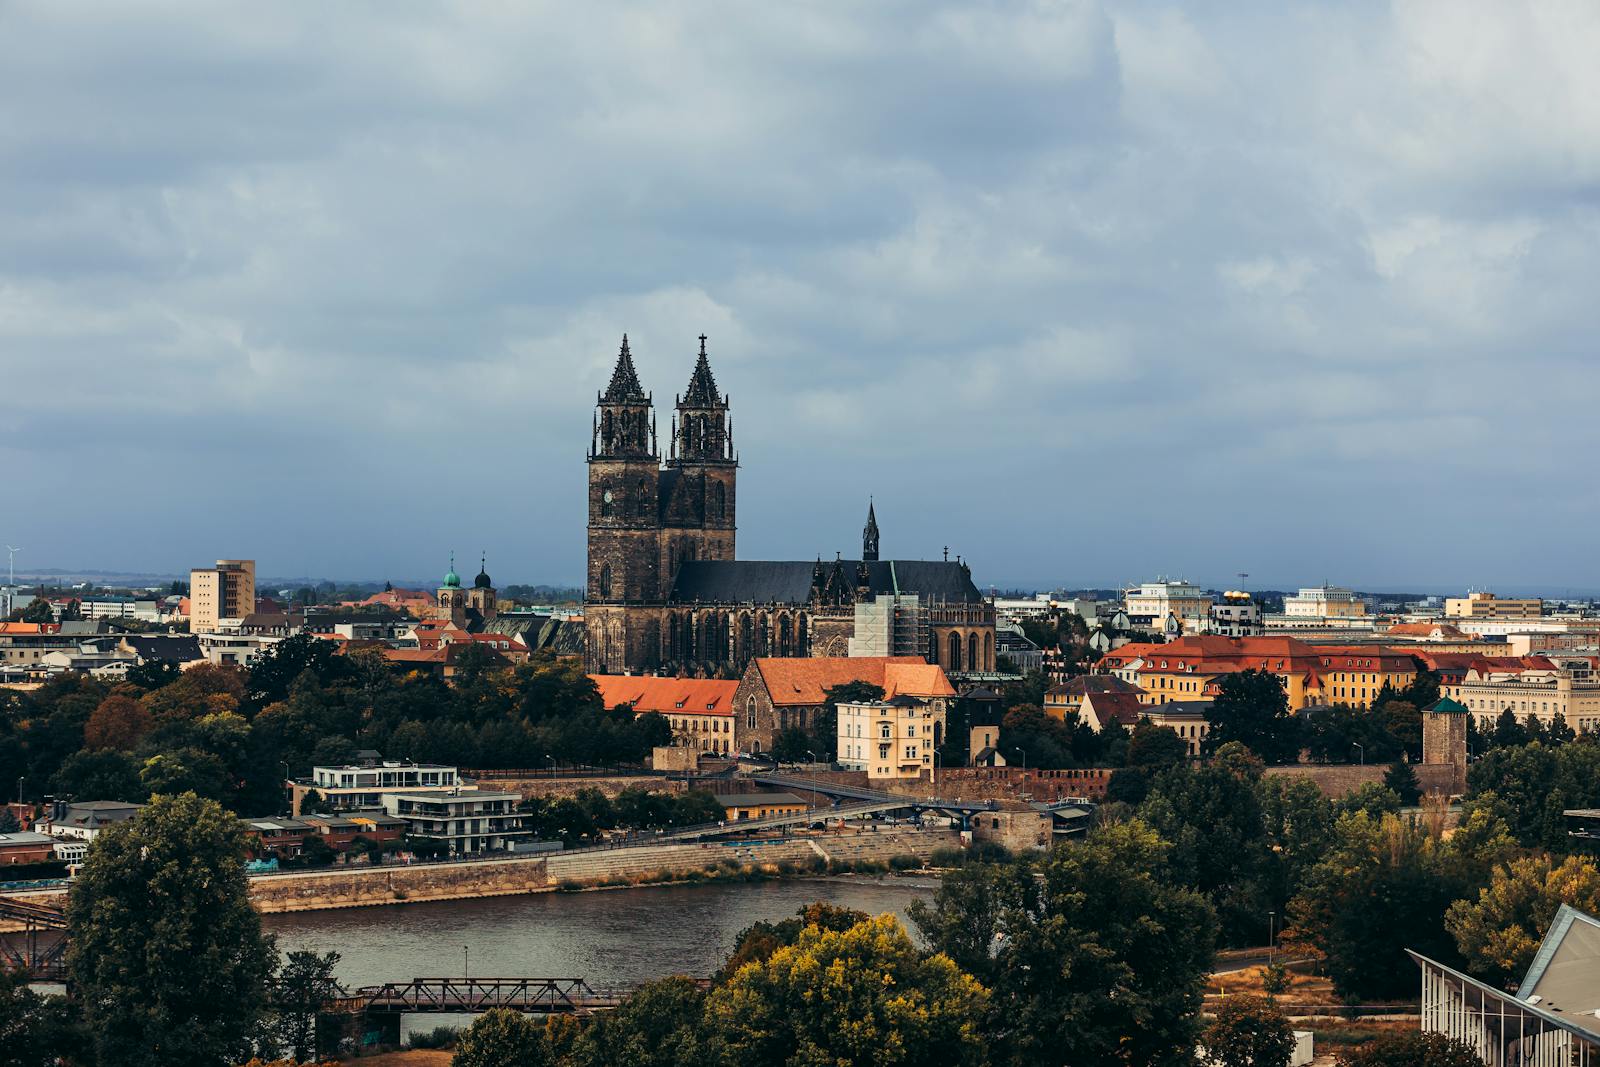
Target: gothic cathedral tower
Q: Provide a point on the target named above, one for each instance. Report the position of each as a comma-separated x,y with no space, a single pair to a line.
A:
624,524
697,489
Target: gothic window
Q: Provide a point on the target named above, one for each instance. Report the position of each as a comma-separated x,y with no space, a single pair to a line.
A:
605,581
607,430
783,636
644,498
988,651
973,663
750,713
746,636
802,647
955,652
719,499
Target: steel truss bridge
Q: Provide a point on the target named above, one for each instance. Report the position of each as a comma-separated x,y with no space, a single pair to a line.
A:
544,996
39,951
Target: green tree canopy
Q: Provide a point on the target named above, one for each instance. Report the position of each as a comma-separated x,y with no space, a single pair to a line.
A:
659,1025
863,995
502,1038
1499,931
167,957
1410,1049
1248,1032
1094,954
1252,708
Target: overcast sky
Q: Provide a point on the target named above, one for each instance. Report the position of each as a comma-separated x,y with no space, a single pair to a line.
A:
1087,292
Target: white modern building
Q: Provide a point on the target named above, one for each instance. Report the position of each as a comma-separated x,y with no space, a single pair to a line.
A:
355,786
1324,602
467,820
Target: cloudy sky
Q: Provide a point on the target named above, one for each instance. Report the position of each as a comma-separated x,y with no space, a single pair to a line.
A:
1087,292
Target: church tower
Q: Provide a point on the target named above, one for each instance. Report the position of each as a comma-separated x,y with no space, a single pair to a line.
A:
698,486
450,603
482,597
869,537
624,522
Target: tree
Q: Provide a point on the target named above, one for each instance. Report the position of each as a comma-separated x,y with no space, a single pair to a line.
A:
757,942
1031,738
1508,732
305,984
35,1030
103,775
1411,1048
502,1038
1374,799
1252,707
1248,1032
1093,954
1529,786
1383,888
38,610
168,961
1402,780
659,1025
1499,932
119,722
863,995
1211,816
1155,748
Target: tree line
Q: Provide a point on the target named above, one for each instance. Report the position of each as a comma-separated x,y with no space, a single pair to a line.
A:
233,735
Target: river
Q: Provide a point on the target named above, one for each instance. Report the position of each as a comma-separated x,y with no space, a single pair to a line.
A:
608,938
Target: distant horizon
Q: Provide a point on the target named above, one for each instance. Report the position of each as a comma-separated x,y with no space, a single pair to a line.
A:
33,577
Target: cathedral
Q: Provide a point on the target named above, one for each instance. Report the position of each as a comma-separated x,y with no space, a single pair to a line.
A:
666,594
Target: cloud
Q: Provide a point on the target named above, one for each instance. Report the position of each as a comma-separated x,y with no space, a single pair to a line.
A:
1085,290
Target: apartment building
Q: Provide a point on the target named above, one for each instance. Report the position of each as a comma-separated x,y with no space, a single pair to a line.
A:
226,591
890,738
467,820
699,709
1485,605
353,787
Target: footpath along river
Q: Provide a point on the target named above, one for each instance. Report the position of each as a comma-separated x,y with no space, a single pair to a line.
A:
610,937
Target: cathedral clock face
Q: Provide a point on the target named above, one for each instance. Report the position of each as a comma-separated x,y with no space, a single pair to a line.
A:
607,497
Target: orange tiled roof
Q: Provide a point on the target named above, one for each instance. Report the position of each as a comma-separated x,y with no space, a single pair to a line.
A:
29,627
803,681
1426,629
682,696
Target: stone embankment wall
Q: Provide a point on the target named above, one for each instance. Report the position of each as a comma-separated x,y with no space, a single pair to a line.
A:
1337,780
365,886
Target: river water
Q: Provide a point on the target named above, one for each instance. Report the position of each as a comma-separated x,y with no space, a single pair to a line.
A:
608,938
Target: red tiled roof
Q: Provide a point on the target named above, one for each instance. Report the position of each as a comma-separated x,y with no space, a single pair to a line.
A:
803,681
1092,683
1123,707
30,627
683,696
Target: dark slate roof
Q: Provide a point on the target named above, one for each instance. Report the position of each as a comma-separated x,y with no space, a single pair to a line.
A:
789,581
171,649
624,387
702,391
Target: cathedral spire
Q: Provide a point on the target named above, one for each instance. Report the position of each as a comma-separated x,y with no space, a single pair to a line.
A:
702,391
624,387
869,535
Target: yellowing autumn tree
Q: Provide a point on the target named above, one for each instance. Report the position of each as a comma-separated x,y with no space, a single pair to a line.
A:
863,995
1499,932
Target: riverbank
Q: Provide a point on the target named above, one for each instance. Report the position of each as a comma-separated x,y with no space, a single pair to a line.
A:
673,864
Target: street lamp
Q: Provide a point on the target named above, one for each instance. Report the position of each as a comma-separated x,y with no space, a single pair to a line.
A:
934,781
814,780
20,779
1024,753
1358,744
1271,916
551,760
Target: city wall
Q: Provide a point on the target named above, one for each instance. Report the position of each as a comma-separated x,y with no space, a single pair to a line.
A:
559,786
1337,780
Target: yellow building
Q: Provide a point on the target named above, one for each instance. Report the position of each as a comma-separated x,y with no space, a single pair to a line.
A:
1482,605
890,739
226,591
738,807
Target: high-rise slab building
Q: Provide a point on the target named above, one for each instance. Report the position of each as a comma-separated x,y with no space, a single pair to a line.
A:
226,591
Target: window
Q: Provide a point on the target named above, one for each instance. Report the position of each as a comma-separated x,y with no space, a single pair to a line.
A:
750,710
605,581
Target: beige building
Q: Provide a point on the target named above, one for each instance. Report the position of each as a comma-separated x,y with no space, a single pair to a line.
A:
1483,605
226,591
1153,604
1324,602
1562,693
890,738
